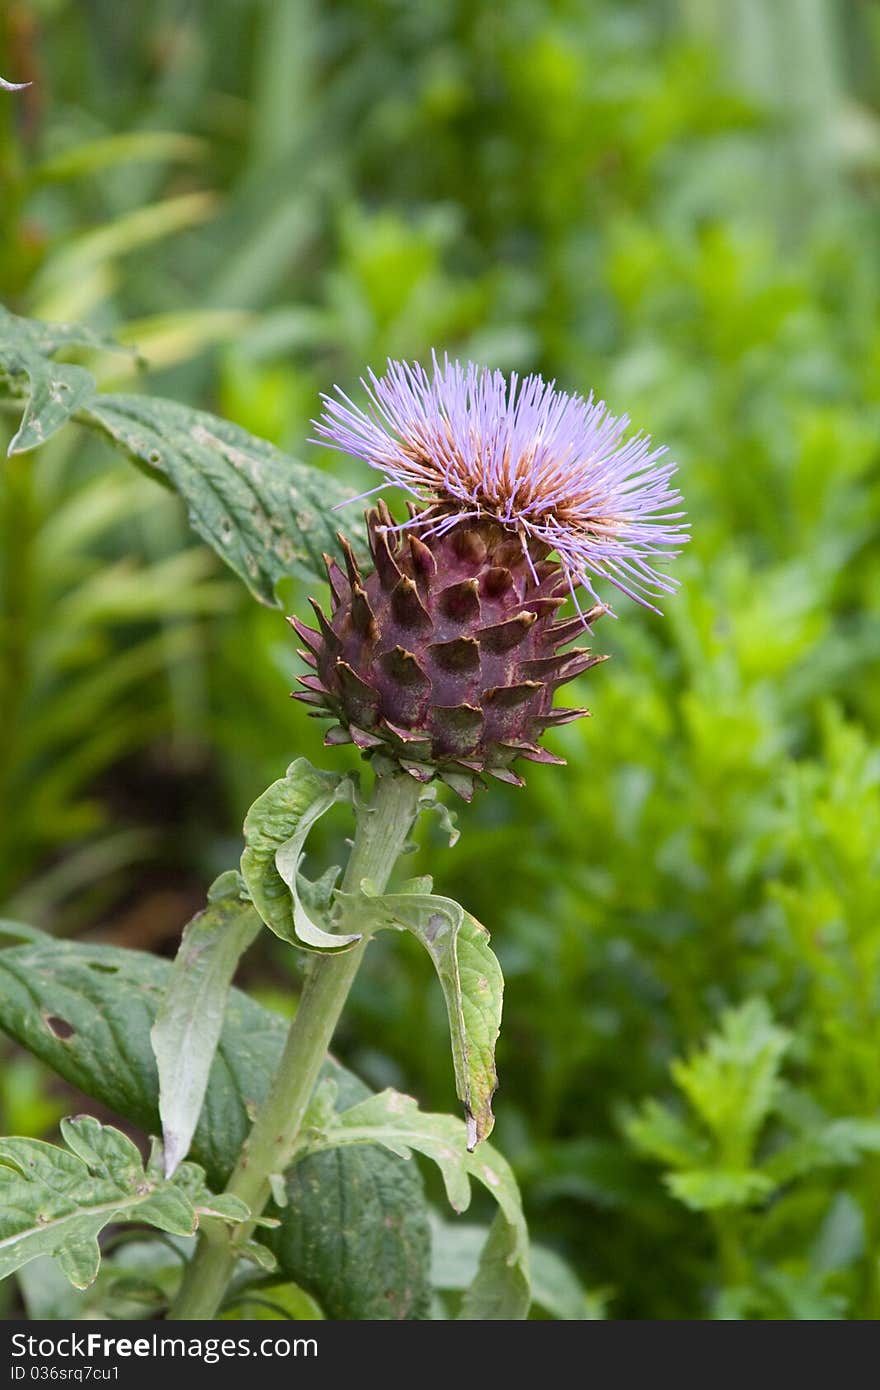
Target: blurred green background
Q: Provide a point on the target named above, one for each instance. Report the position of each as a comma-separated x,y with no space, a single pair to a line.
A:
676,205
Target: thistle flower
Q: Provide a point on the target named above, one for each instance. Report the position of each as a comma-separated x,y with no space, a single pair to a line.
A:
552,467
446,657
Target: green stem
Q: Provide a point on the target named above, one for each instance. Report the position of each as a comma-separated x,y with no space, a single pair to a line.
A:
382,831
735,1268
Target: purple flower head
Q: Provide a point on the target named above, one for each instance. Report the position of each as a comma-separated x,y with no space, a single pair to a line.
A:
555,468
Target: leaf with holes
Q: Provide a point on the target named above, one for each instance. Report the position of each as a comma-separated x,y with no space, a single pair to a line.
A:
56,1201
266,515
472,984
53,391
275,831
501,1287
56,391
190,1017
355,1228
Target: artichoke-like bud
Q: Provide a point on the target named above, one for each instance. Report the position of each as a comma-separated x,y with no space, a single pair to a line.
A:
446,657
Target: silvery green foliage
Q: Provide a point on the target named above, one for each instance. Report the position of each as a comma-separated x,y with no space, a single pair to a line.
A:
56,1201
276,829
501,1287
190,1018
354,1230
472,985
266,515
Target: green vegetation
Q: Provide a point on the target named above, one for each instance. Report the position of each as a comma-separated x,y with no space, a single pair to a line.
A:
673,204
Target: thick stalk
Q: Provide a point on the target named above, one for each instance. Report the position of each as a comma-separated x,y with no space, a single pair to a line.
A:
381,834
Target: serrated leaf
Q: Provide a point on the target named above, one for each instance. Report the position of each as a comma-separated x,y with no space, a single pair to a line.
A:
275,831
55,392
501,1287
107,1151
265,514
56,1201
472,985
430,803
190,1018
660,1133
355,1231
732,1081
396,1121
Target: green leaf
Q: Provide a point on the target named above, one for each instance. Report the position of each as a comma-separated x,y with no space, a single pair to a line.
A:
396,1121
56,1201
259,1255
136,1275
18,930
53,391
732,1082
107,1151
265,514
835,1143
190,1018
501,1290
275,831
557,1290
455,1252
472,984
79,1261
170,1210
708,1189
271,1302
355,1231
501,1287
430,803
56,391
660,1133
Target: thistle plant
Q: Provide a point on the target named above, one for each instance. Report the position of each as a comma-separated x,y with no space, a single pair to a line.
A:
446,638
444,661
